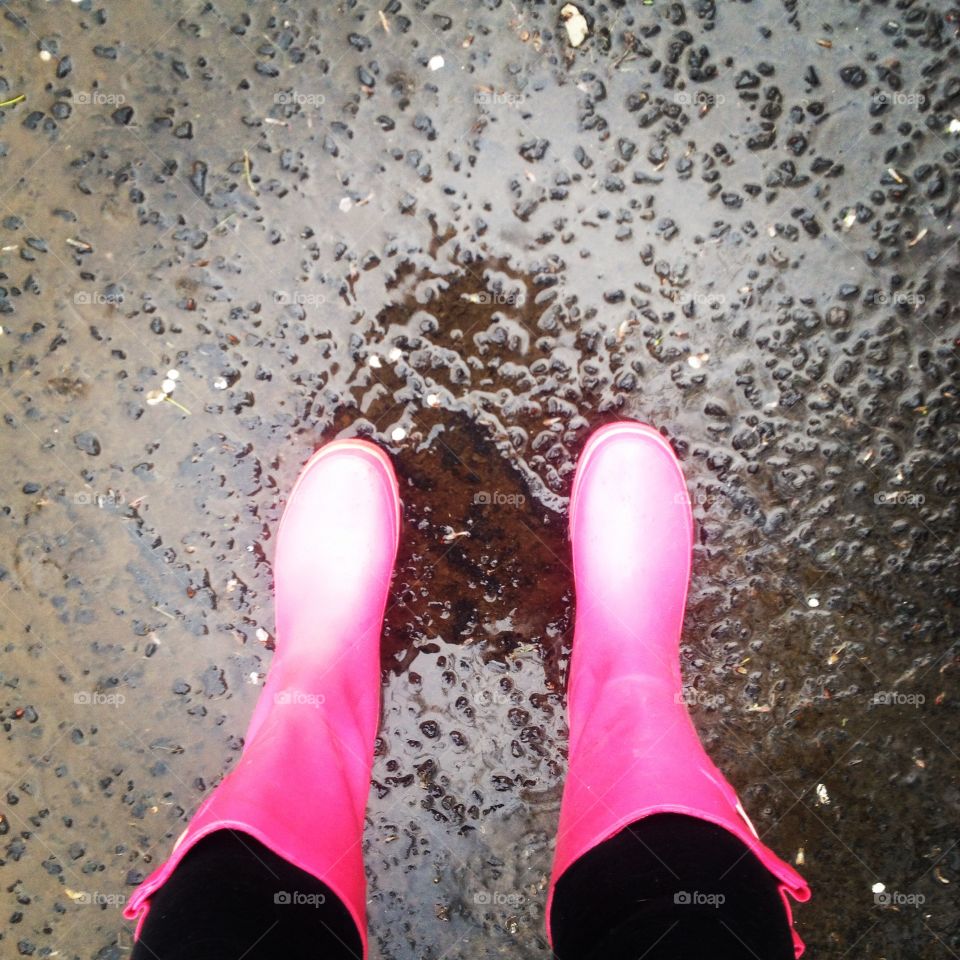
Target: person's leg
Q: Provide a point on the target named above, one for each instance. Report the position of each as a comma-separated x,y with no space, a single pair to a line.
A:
233,897
634,751
664,888
300,786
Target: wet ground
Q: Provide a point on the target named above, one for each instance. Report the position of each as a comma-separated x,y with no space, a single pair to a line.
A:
441,226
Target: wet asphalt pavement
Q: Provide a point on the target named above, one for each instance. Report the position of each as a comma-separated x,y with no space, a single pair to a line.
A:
441,226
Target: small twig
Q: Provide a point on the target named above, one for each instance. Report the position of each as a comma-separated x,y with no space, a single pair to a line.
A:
246,171
179,406
13,101
223,221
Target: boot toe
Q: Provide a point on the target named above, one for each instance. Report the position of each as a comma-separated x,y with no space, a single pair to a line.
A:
630,520
338,537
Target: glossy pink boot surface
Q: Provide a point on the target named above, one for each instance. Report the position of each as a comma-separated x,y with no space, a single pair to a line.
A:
633,747
301,784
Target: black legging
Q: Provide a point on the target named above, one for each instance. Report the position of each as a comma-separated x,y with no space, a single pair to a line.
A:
231,897
670,887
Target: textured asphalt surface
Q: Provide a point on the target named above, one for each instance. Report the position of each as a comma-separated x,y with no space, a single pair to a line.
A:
441,226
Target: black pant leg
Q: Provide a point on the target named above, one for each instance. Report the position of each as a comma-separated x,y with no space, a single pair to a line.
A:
670,887
231,896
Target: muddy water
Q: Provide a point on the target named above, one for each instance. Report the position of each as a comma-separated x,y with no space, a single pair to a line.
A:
735,221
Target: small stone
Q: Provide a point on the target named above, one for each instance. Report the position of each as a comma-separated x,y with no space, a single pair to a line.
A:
533,150
854,76
575,24
88,443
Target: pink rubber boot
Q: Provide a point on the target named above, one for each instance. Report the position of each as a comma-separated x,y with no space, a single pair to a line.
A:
301,785
633,748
